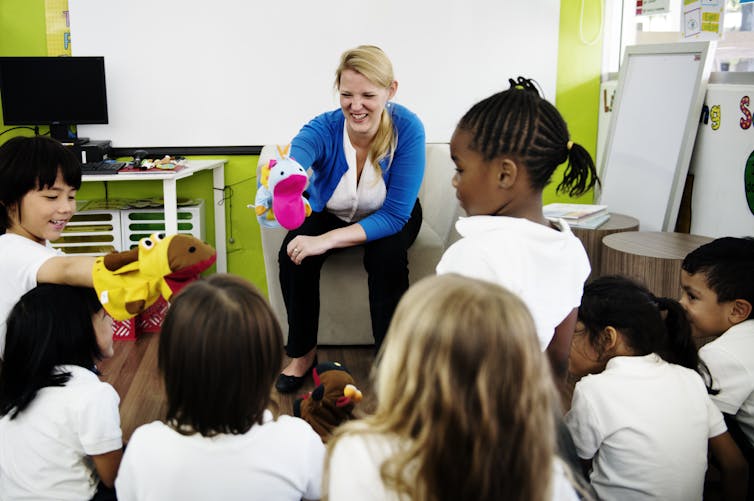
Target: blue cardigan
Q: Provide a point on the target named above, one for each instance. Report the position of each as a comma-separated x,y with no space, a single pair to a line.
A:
319,145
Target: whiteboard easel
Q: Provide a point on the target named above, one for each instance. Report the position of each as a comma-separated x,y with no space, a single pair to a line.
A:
655,118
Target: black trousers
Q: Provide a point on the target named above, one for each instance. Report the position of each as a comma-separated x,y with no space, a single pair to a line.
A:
386,263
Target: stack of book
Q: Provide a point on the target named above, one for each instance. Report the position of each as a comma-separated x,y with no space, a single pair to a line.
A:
578,215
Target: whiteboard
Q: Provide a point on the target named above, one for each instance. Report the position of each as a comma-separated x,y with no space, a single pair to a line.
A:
251,72
656,111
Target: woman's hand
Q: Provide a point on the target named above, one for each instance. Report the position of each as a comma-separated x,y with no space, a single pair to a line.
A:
303,246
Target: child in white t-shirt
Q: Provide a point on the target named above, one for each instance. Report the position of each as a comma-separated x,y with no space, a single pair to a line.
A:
641,417
506,149
466,405
60,435
39,178
718,293
220,351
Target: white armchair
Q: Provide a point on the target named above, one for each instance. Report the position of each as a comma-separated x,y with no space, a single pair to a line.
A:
344,304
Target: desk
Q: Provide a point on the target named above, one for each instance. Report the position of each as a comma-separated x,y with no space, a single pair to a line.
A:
592,238
652,257
169,195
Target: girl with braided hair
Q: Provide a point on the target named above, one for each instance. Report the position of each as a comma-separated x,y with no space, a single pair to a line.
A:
506,148
641,416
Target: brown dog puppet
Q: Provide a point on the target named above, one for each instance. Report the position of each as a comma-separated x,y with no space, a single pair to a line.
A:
331,402
129,282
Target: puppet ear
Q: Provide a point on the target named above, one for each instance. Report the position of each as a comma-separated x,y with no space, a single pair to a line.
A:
283,150
116,260
319,393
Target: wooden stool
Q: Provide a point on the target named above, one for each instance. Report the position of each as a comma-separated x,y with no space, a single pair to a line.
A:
652,257
592,238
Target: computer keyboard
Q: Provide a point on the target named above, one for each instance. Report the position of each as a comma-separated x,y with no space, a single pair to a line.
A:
103,167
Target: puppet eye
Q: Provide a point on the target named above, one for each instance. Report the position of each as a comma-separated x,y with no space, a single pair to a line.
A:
158,237
147,243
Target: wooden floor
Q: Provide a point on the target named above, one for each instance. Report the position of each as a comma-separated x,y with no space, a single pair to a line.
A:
133,373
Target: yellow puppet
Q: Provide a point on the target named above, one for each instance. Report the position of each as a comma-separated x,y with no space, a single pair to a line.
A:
129,282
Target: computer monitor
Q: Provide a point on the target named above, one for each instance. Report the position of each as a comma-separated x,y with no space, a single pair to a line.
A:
57,91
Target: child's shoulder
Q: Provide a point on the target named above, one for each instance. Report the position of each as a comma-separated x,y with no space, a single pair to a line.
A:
87,386
289,424
11,242
738,340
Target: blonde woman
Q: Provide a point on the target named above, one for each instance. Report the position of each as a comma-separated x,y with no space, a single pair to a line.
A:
367,160
465,405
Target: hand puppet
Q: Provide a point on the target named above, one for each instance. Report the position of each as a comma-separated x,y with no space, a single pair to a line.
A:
129,282
332,401
280,187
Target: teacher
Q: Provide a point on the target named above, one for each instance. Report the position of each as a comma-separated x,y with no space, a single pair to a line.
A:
367,160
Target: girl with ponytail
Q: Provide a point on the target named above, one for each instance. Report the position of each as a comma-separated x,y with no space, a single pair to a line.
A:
641,416
506,149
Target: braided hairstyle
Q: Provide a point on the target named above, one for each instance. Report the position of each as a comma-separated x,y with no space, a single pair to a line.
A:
648,324
518,122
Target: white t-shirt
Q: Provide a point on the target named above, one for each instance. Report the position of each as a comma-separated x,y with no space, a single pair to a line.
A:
354,200
545,267
278,460
730,360
646,424
21,261
44,450
355,465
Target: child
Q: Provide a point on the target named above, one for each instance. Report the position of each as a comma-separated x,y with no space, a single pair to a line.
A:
643,417
39,178
506,149
718,294
59,426
465,404
220,351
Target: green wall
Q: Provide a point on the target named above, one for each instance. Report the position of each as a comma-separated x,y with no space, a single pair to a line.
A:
22,33
578,83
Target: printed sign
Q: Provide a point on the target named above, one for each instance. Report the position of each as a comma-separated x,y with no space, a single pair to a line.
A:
58,28
702,19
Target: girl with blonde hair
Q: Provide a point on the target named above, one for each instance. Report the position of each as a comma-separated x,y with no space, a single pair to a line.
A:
367,162
465,404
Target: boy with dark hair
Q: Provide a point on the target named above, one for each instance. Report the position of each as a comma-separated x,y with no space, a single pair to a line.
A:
718,293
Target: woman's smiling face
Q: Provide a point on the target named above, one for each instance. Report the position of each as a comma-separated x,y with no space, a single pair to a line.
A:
362,103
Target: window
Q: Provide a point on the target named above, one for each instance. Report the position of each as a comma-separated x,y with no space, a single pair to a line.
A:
735,49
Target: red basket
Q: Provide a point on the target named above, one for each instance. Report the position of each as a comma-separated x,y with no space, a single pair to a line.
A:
147,321
124,329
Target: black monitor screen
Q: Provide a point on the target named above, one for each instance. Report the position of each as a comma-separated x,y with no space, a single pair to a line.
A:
53,90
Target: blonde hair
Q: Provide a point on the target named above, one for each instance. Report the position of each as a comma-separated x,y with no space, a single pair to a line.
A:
463,385
371,62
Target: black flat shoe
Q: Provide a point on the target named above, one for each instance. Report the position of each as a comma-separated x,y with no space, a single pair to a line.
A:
289,384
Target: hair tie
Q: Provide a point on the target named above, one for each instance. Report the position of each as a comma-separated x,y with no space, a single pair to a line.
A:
569,145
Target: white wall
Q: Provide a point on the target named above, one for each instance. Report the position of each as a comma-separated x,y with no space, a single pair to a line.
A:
246,72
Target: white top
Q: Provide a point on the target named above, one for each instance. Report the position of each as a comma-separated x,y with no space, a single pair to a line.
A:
353,200
21,261
355,464
278,460
545,267
730,360
647,424
43,451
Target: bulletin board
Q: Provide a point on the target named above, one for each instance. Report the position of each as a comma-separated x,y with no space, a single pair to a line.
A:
240,72
655,115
